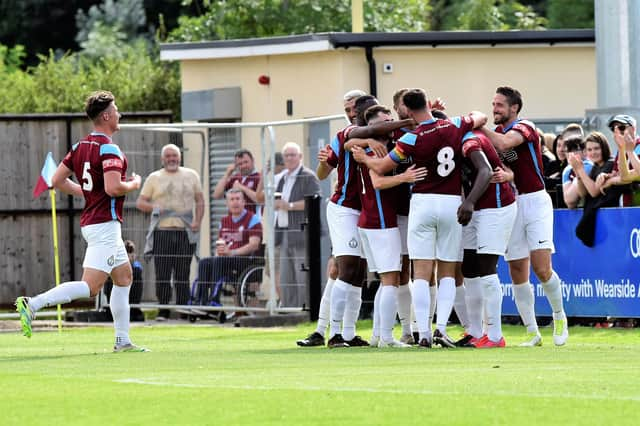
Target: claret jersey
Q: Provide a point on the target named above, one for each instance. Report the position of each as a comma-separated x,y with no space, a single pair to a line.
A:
89,159
436,145
346,193
497,194
525,159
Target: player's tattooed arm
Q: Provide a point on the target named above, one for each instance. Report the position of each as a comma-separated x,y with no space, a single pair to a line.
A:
503,142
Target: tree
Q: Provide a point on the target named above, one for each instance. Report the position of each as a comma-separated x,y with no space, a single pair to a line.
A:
233,19
104,29
581,13
40,25
493,15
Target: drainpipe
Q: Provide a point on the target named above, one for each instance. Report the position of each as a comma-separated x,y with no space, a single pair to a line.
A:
373,87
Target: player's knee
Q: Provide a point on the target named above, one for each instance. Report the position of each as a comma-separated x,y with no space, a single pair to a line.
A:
543,272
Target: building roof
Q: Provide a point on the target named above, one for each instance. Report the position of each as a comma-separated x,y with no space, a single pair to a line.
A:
330,41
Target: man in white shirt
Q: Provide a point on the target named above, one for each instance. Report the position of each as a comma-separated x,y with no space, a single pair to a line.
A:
295,183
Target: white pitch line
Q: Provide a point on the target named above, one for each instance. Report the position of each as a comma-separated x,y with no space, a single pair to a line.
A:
375,390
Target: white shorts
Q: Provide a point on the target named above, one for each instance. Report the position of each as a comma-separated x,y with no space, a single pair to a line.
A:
434,231
382,249
489,230
403,226
105,248
343,230
533,228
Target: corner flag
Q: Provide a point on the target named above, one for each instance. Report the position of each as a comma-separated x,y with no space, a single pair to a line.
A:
46,176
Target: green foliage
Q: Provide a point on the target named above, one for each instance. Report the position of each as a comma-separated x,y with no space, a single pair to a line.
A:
128,16
497,15
234,19
11,59
138,79
105,29
570,13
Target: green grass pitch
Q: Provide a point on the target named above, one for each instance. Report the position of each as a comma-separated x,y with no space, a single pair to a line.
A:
235,376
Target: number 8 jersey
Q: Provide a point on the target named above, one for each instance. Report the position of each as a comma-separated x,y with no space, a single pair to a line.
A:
89,159
436,145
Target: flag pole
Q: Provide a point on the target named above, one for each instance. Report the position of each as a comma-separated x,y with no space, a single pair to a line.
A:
56,258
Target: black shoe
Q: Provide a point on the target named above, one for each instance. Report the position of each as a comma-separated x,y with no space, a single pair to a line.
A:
337,342
465,342
314,339
424,343
443,340
416,337
357,341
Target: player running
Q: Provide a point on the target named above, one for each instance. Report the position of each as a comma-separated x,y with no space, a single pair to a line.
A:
100,167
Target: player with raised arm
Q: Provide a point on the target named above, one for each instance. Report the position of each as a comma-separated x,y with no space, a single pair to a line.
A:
343,211
434,233
323,171
379,232
100,167
532,235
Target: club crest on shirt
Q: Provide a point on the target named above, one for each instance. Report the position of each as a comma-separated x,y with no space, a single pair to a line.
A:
353,243
508,156
111,260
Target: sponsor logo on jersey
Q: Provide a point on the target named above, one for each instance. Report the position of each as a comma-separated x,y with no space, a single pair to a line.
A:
112,162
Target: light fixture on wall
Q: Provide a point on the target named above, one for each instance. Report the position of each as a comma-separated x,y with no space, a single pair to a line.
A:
264,80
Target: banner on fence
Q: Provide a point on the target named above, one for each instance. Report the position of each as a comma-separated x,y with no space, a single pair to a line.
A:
598,281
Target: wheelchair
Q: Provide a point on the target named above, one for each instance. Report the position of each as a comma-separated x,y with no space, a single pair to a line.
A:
240,285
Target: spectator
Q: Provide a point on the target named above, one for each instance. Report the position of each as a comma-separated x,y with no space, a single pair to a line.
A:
572,194
242,175
622,126
135,294
554,170
547,156
599,153
171,195
295,183
238,242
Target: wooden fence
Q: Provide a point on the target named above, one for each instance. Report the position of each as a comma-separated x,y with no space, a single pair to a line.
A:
26,252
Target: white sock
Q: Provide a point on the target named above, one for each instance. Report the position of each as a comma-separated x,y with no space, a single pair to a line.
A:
433,302
553,291
338,302
523,294
473,298
460,306
404,308
446,296
492,291
61,294
325,308
376,312
120,312
388,311
421,302
351,312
